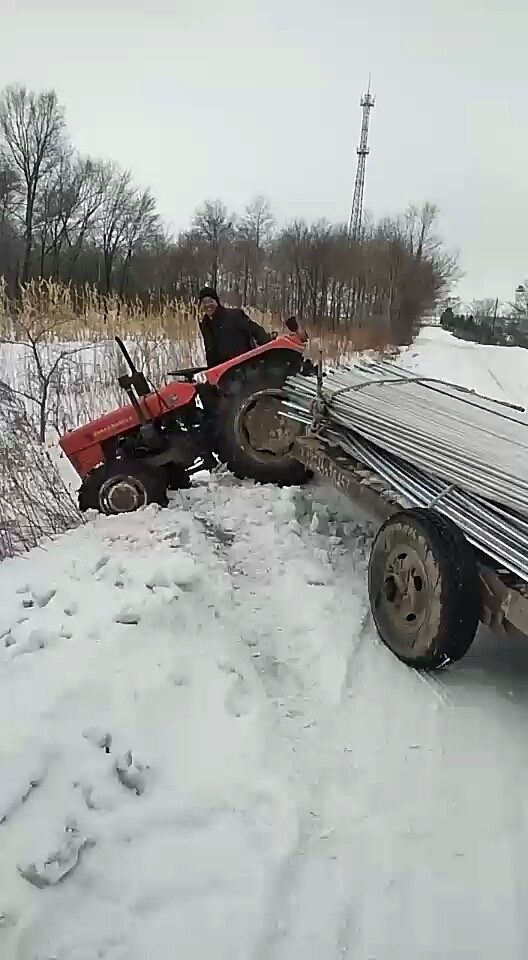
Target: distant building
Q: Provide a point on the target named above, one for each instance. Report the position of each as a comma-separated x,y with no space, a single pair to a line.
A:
430,319
520,318
521,298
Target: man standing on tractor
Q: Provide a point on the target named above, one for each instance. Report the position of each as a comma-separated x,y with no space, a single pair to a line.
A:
227,332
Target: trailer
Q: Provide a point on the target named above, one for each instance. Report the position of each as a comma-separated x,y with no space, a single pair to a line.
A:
431,580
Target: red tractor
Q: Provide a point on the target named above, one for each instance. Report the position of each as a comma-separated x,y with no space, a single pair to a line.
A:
228,414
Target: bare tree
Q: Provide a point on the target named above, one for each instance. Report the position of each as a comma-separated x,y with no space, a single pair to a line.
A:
10,194
113,220
142,228
252,234
483,309
45,359
10,201
89,188
51,212
32,128
212,225
420,229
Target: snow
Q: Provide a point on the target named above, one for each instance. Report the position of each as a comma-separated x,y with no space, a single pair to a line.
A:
497,372
205,752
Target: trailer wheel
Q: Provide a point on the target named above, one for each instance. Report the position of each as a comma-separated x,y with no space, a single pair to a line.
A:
424,588
122,486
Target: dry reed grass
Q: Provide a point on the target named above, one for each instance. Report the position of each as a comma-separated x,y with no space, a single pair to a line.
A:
64,336
54,312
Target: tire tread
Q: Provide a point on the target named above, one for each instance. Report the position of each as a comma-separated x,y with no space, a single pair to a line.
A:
249,378
460,587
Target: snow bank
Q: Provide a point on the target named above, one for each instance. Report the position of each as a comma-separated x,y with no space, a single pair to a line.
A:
147,664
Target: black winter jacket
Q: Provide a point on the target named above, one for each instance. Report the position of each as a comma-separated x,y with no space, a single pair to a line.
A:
229,333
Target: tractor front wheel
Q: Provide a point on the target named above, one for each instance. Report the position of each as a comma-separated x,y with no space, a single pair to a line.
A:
122,486
252,439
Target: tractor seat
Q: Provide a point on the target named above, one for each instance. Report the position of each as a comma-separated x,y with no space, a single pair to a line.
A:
187,373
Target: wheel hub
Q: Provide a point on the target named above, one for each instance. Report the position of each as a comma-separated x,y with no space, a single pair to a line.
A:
262,430
405,594
122,495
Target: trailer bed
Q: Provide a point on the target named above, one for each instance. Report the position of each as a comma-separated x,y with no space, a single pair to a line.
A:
504,597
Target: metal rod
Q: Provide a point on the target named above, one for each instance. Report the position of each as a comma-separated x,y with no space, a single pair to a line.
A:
434,444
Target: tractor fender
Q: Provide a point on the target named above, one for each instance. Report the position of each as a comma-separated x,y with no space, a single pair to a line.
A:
290,359
287,346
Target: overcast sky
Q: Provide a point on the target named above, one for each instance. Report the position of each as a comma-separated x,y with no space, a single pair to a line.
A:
230,98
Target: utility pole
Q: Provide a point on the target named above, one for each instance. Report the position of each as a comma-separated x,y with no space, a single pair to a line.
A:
495,316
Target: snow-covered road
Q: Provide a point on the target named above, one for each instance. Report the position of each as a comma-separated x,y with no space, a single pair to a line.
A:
206,754
499,372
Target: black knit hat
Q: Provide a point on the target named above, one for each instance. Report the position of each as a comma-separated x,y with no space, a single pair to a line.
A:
208,292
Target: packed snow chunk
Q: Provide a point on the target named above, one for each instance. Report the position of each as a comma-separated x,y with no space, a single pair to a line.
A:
320,522
43,596
175,569
25,638
22,770
60,862
158,578
284,507
131,773
128,615
7,917
181,568
101,563
100,738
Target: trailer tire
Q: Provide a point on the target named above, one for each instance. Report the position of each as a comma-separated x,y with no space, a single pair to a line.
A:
246,454
424,588
122,486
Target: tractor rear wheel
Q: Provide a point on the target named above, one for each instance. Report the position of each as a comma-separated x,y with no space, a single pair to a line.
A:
122,486
251,438
424,588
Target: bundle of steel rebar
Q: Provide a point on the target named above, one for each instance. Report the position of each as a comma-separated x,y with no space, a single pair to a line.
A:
434,443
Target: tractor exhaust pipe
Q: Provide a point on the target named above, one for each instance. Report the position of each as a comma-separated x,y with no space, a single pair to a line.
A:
134,384
131,365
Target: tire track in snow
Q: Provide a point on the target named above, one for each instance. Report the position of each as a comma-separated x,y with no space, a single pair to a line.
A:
446,818
316,907
285,881
302,718
496,380
332,896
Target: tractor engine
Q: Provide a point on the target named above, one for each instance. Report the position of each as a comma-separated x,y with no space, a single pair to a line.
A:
164,442
147,439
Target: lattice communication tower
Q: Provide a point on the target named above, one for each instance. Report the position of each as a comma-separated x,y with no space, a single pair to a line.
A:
356,214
